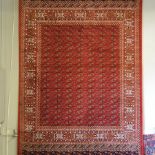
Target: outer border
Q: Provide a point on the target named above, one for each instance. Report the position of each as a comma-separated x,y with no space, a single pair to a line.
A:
20,68
141,73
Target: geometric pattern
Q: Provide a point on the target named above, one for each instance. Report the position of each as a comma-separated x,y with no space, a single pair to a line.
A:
149,144
80,77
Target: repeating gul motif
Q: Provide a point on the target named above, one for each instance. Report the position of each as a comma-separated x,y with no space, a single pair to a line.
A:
80,107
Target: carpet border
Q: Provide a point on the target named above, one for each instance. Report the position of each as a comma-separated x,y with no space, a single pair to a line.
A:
141,77
19,93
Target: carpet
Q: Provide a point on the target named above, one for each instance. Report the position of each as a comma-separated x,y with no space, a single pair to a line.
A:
149,144
80,88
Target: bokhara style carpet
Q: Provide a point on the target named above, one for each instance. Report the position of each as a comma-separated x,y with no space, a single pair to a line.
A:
80,77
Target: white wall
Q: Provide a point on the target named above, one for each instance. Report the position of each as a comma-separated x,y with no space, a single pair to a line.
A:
9,67
149,65
9,70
